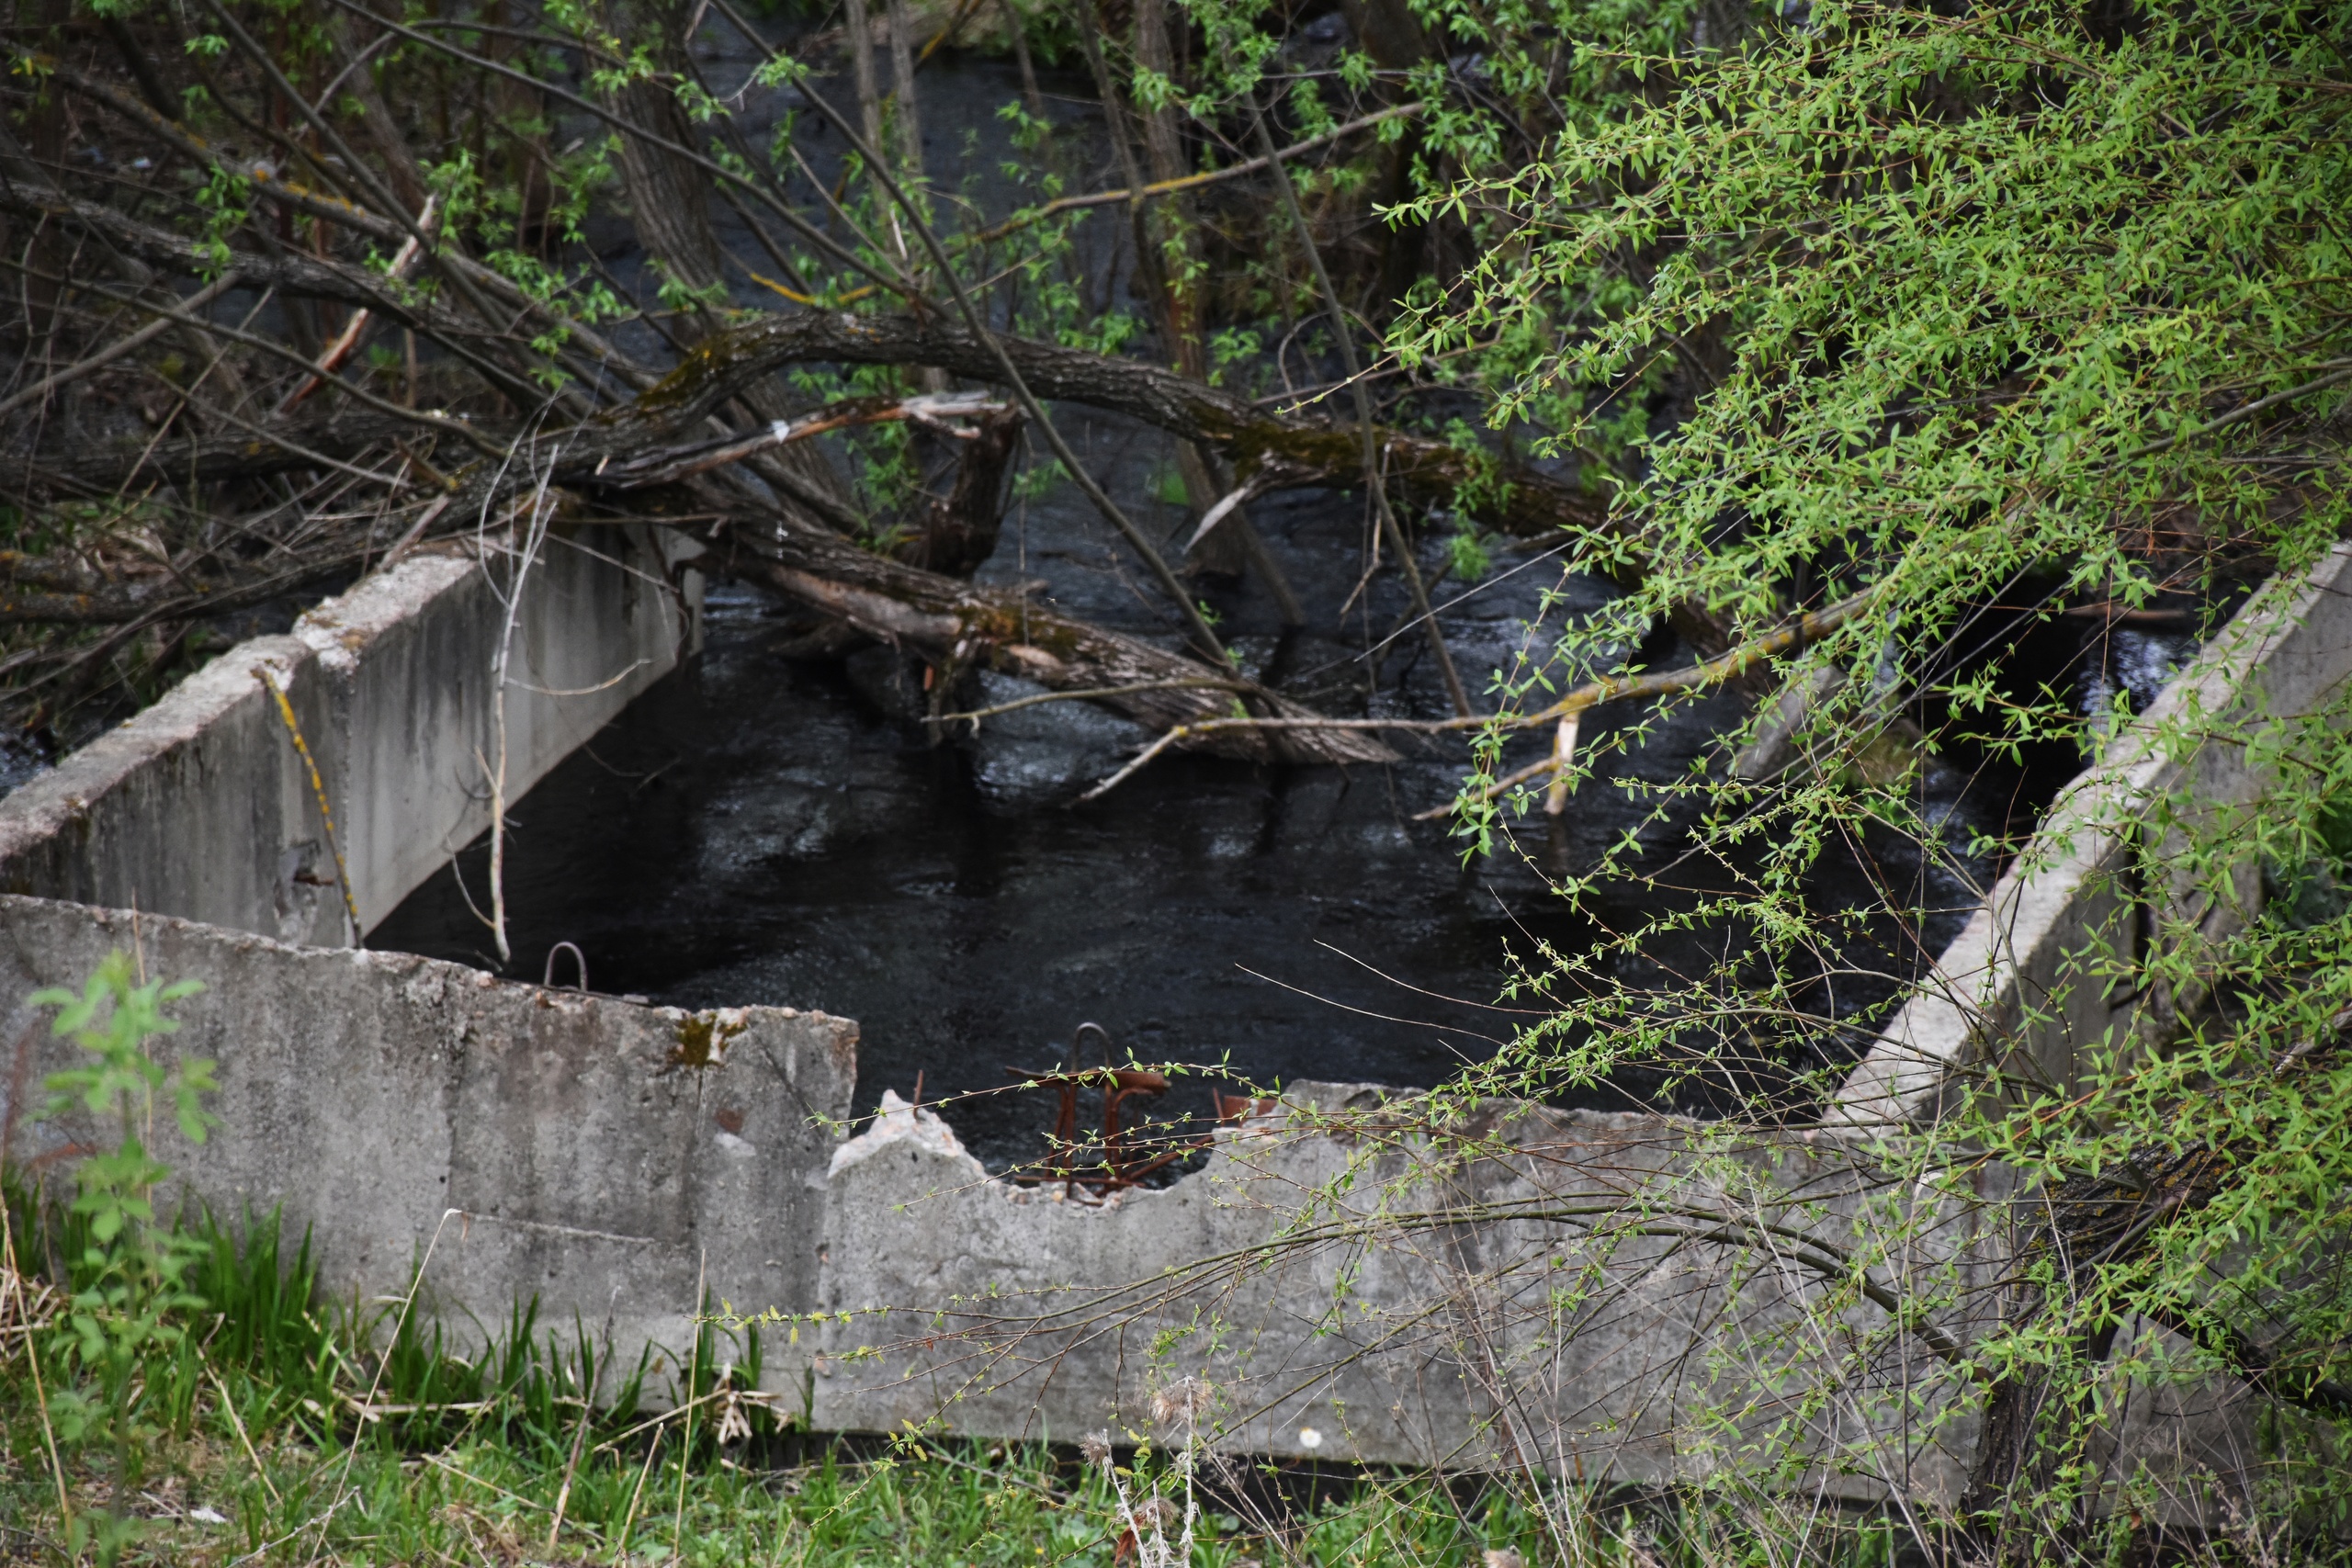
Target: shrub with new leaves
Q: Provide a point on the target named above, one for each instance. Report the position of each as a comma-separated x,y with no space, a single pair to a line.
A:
130,1294
1987,315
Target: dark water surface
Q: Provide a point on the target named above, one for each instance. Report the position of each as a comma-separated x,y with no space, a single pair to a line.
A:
755,832
759,831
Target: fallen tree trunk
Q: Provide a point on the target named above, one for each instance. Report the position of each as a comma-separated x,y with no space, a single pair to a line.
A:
738,367
1275,451
1270,452
958,626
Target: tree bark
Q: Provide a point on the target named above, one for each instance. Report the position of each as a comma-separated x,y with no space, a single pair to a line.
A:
1271,451
959,626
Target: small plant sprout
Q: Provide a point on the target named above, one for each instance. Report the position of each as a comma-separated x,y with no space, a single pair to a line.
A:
130,1296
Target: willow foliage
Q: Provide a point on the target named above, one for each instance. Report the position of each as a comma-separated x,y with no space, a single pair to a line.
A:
2025,306
1983,314
1996,288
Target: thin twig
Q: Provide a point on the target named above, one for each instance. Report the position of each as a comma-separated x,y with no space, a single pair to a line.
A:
228,1408
1615,688
318,791
1183,684
570,1469
1375,482
331,360
122,346
32,1359
2234,416
1810,627
441,422
1189,182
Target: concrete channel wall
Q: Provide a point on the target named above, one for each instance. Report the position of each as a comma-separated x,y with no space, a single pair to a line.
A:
604,1157
1598,1296
597,1155
1563,1304
1348,1294
2021,971
203,807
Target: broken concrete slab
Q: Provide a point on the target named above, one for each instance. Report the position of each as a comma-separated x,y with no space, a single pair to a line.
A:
2020,971
1355,1290
1578,1294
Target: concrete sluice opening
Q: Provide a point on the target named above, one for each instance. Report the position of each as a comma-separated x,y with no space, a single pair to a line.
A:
766,829
749,849
777,933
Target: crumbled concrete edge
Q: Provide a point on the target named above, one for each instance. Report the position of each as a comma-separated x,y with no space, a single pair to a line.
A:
897,1125
53,801
339,629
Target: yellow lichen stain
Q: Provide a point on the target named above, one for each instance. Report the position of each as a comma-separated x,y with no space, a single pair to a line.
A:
1002,622
695,370
703,1037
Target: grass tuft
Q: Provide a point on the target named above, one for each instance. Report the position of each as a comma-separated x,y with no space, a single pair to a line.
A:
297,1430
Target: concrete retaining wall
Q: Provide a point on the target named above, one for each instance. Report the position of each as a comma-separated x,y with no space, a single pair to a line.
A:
2023,970
599,1156
604,1157
1608,1297
1525,1317
1565,1304
201,806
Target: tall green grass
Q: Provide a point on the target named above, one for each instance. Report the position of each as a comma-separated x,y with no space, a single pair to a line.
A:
317,1431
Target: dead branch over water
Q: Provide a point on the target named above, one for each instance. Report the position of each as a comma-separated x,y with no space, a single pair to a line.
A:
275,459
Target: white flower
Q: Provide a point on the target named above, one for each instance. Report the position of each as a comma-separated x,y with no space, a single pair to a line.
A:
1309,1437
